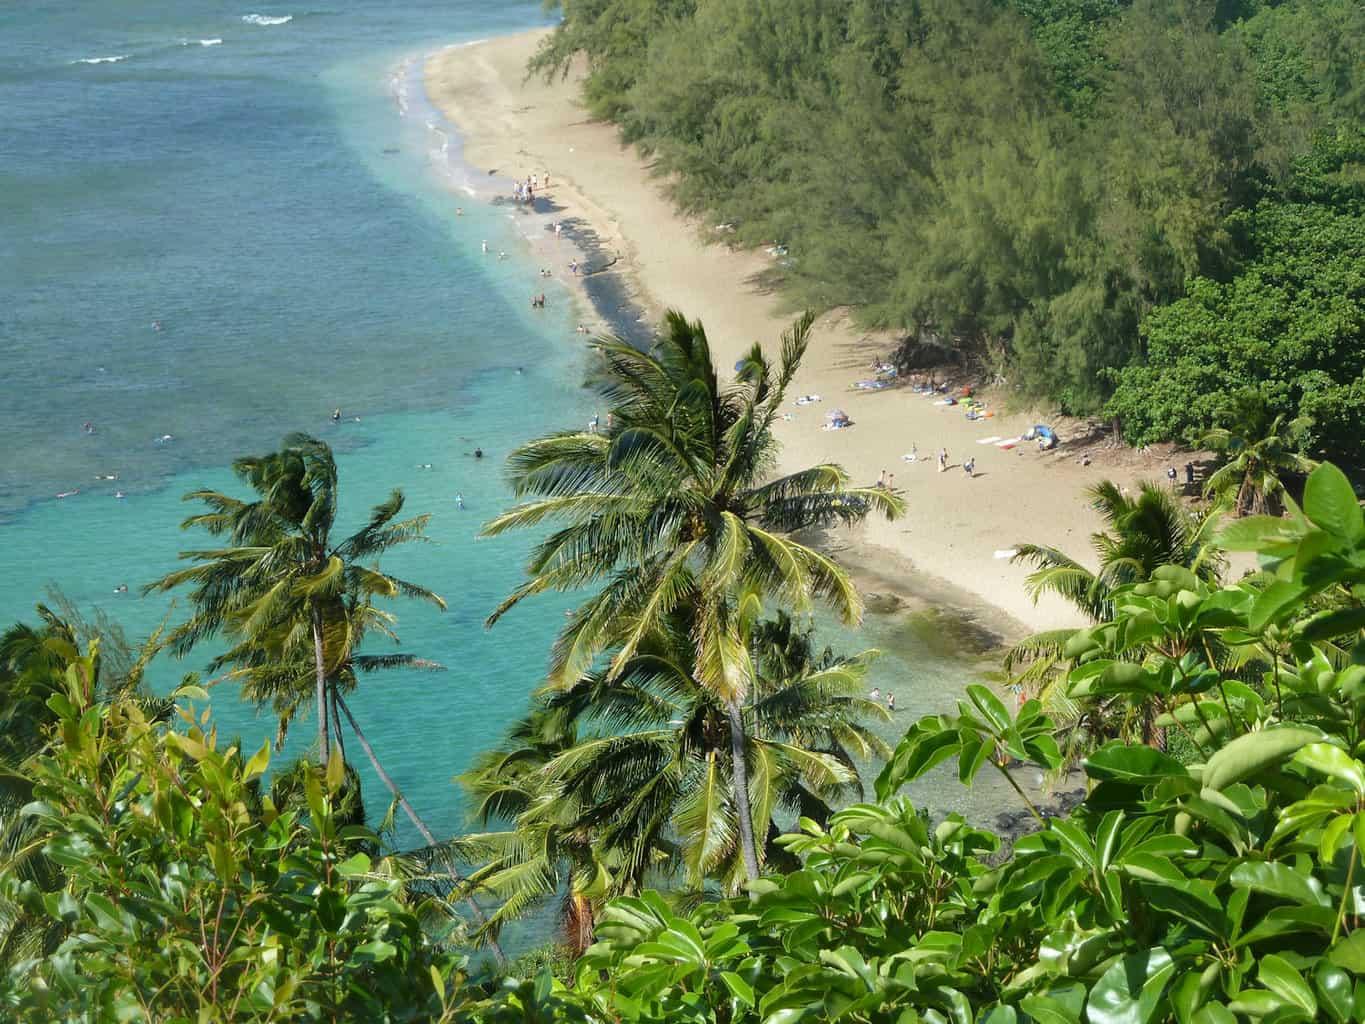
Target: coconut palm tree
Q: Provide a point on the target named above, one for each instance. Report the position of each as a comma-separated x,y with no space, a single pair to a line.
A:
1142,533
282,586
675,505
1258,454
617,778
292,602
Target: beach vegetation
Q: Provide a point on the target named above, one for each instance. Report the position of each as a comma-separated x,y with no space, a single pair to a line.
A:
1258,455
1221,890
673,504
148,875
1137,207
182,893
1281,333
617,782
283,592
294,603
1142,534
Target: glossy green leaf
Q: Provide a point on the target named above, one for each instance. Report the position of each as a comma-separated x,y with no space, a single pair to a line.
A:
1131,764
1131,990
1349,953
1276,974
1280,880
1334,990
1334,762
1330,501
739,988
1254,752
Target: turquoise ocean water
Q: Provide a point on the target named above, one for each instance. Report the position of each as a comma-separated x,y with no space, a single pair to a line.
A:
269,183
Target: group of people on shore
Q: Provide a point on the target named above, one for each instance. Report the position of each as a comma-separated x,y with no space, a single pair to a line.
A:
525,191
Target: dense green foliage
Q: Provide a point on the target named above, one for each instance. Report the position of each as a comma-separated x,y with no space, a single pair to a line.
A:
183,894
1211,875
615,783
156,881
1027,182
1219,891
1287,332
673,510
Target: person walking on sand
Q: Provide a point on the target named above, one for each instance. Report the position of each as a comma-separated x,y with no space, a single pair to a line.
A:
942,459
1170,475
891,481
1189,474
881,481
969,467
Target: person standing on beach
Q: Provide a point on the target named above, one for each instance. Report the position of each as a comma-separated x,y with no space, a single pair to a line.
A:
970,467
942,459
1189,474
1170,475
881,480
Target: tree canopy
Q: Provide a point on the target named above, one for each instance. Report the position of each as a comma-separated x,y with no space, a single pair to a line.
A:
1061,190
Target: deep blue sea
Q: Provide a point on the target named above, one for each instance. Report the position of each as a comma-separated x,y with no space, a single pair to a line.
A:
267,182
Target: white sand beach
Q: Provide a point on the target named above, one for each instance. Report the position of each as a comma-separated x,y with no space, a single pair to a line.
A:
958,527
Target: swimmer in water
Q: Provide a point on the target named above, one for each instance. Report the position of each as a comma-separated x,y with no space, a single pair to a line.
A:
156,325
459,500
485,245
336,415
120,494
122,588
88,427
478,453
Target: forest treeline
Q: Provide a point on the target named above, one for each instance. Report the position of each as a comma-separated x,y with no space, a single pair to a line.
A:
1154,210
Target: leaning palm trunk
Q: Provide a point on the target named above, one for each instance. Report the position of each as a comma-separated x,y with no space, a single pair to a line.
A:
336,722
324,751
413,816
740,771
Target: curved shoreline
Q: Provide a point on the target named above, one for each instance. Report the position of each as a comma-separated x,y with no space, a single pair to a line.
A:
946,546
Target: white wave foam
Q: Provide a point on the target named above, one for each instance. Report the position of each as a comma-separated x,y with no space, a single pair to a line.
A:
267,19
102,60
201,42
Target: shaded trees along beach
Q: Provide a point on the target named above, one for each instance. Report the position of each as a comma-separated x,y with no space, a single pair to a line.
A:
1026,183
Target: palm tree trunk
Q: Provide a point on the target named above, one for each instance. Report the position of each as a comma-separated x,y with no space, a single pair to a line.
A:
384,777
578,922
324,750
740,772
336,723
